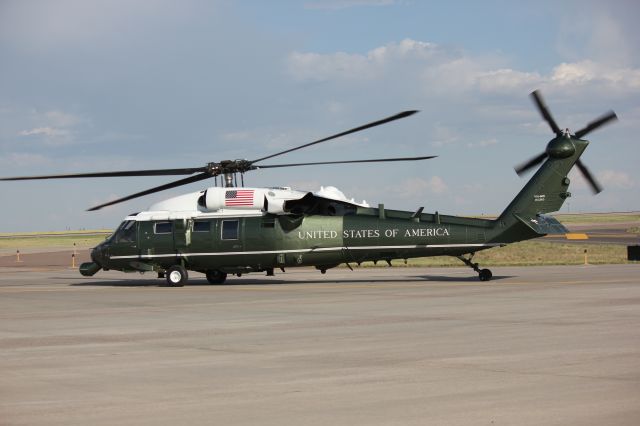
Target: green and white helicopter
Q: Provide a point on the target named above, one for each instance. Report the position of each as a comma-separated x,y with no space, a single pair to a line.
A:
237,230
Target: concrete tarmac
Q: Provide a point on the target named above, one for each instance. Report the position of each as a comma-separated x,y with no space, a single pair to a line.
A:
388,346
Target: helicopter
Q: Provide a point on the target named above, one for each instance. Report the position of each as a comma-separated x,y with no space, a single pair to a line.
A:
233,229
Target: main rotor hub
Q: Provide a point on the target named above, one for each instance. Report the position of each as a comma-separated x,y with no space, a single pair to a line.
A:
561,147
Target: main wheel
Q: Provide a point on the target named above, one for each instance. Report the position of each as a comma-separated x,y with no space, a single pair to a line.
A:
177,276
485,275
215,276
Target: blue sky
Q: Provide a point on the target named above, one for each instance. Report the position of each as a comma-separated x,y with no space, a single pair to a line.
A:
116,85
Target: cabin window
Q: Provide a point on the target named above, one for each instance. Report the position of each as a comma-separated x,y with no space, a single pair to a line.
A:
201,226
230,229
163,227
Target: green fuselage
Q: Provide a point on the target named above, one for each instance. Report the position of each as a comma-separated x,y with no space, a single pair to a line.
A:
258,243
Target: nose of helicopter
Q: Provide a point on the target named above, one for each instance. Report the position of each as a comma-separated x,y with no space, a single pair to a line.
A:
97,256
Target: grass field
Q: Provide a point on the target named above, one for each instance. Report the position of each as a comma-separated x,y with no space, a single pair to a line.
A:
9,244
595,218
529,253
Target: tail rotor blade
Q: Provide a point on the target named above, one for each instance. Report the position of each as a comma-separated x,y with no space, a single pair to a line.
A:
595,186
542,107
522,168
610,116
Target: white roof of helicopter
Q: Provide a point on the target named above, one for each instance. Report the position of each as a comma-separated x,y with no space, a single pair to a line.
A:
232,201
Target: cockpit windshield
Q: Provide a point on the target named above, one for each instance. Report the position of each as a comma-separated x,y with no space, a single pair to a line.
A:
126,232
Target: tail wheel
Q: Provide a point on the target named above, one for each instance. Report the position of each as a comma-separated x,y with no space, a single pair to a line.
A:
177,276
215,276
485,275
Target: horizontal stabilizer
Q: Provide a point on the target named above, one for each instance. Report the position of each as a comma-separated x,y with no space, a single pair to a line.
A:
543,224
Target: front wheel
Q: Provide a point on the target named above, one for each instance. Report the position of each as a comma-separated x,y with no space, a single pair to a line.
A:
215,276
177,276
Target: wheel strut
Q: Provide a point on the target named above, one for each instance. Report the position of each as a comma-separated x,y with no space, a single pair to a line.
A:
483,274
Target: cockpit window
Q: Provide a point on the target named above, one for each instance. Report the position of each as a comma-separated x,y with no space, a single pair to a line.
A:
126,232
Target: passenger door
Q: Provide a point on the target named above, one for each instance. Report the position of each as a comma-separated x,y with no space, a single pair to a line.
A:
231,234
156,238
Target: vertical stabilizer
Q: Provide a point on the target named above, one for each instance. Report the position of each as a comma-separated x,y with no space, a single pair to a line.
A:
547,190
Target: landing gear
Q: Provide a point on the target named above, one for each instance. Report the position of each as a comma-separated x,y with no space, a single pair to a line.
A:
215,276
483,274
177,276
323,268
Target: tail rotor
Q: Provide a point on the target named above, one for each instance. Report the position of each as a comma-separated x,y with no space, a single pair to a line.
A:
562,146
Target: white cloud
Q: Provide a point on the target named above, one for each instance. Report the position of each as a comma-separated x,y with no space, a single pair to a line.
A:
418,187
272,140
23,159
236,136
372,65
615,179
442,135
45,131
589,72
609,179
305,185
43,26
483,143
434,69
54,127
61,119
314,66
335,107
507,79
346,4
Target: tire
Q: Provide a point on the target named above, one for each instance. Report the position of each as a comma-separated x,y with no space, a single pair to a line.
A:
485,275
215,276
177,276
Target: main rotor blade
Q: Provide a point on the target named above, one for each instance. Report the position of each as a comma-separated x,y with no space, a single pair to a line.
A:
595,186
356,129
157,172
609,116
378,160
537,98
523,167
180,182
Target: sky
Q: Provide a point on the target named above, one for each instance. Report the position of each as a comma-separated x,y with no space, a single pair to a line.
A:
119,85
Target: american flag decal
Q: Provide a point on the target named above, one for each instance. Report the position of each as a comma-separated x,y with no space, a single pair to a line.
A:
238,197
